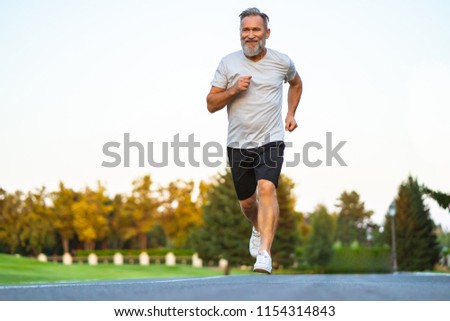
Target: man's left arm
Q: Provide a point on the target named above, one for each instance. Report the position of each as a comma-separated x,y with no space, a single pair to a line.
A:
294,94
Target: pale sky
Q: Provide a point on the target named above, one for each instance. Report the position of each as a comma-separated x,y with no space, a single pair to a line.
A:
76,75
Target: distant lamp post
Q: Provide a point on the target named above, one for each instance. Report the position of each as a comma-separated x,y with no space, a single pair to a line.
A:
392,211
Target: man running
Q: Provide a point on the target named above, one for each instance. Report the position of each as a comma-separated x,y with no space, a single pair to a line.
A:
250,83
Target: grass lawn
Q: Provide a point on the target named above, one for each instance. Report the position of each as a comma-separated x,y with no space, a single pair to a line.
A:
19,270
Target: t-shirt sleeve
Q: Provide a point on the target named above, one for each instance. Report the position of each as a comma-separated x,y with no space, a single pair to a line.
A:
291,71
220,77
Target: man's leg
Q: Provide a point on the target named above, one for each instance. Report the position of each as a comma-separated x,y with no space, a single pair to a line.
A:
268,213
250,207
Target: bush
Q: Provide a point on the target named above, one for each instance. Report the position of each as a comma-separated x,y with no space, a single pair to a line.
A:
360,260
150,252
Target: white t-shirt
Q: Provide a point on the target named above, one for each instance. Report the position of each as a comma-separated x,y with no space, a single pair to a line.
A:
254,116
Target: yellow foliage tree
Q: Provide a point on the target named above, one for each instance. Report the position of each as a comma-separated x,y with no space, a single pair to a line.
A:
37,224
11,219
63,216
179,212
142,206
90,216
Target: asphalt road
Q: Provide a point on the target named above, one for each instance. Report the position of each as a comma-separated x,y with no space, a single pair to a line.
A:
380,287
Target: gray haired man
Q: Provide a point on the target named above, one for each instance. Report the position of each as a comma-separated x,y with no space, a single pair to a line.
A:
250,83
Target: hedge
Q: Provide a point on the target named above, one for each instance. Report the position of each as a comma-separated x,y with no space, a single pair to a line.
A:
150,252
360,260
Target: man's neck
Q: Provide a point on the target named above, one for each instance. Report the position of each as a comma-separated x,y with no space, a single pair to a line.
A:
259,56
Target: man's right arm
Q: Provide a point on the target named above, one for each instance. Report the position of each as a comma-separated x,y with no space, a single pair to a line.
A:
220,97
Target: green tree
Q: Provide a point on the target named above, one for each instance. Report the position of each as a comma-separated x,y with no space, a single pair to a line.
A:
287,235
377,238
353,219
304,228
157,236
319,247
443,199
417,246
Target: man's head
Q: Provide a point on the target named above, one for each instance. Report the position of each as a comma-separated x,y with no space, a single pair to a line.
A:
254,31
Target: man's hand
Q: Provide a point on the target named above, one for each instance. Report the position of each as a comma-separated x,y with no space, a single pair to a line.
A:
291,124
219,97
241,85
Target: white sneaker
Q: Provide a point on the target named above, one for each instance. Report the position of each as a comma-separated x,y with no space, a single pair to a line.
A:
263,263
255,243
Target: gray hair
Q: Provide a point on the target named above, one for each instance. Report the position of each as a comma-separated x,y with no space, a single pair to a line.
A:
255,12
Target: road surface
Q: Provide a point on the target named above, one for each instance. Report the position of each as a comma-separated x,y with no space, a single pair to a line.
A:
381,287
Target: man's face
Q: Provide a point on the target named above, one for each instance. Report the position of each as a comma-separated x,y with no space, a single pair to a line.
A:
253,35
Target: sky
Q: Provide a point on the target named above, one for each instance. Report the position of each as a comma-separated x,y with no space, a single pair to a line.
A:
77,75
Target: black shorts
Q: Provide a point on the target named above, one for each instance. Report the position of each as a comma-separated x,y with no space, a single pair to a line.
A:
252,164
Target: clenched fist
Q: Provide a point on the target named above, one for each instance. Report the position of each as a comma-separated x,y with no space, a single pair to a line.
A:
242,84
290,122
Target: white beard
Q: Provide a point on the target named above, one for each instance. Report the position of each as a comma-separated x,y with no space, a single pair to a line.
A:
251,52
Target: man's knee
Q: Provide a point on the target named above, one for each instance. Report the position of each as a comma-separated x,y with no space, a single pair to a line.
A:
266,188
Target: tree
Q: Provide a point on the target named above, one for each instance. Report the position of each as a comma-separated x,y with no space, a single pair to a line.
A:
417,246
441,198
11,219
143,206
157,236
353,219
319,247
180,213
37,227
90,216
63,216
2,205
287,235
3,195
377,238
225,232
122,225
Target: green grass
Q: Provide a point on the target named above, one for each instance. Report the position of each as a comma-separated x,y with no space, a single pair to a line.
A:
19,270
